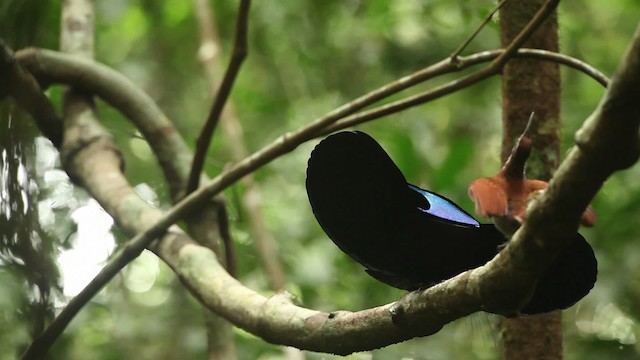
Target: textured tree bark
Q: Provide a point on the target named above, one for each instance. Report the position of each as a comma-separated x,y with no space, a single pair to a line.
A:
531,86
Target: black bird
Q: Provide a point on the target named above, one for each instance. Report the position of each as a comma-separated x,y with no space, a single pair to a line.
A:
411,238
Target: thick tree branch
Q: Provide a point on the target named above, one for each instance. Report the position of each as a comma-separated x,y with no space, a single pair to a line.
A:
240,50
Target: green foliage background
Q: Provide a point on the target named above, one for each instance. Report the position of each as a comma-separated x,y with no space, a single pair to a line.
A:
306,58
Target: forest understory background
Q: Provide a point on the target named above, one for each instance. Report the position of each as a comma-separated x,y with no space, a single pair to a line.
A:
305,58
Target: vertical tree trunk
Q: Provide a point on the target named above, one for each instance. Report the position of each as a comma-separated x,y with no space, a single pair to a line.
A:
531,86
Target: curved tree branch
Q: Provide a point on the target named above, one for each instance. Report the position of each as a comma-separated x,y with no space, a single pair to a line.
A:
462,62
456,53
169,147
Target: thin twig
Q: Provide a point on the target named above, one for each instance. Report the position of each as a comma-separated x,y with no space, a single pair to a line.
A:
566,60
547,8
209,55
493,68
252,199
463,62
460,49
240,50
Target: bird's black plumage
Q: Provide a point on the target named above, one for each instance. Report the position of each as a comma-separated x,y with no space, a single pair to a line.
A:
407,237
